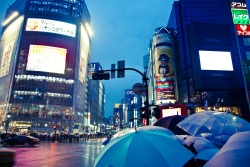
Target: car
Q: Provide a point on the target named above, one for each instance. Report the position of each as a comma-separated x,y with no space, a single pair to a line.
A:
21,140
7,157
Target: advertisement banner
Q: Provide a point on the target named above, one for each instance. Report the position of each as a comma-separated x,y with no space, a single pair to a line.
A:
82,67
6,59
240,16
164,73
243,30
51,26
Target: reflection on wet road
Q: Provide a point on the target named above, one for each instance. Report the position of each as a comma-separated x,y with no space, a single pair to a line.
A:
56,154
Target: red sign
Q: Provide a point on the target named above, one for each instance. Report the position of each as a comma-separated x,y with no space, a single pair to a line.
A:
243,30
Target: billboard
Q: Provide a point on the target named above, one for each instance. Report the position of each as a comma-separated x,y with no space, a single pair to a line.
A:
51,26
240,18
164,73
6,59
211,60
46,59
82,67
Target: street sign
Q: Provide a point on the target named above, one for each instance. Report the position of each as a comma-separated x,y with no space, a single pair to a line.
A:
138,88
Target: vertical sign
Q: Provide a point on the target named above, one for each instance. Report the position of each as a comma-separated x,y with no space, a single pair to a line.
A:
164,70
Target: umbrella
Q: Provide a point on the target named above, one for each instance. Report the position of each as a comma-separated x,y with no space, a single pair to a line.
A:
170,123
144,128
215,126
236,152
143,148
200,145
206,154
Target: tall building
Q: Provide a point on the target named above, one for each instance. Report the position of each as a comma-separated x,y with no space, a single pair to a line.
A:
45,57
209,54
97,99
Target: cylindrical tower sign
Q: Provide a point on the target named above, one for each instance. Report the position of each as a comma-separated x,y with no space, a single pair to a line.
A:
162,46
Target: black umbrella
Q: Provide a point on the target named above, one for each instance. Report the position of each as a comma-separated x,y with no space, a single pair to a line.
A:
170,123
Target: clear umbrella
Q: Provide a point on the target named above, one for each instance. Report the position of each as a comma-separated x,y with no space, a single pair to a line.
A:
217,127
144,148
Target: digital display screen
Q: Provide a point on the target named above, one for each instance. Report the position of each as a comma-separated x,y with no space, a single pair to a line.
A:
46,59
51,26
215,60
170,112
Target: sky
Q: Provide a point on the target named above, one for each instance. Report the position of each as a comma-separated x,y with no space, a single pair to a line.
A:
122,30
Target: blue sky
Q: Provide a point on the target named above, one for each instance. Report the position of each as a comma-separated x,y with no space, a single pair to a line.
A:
122,31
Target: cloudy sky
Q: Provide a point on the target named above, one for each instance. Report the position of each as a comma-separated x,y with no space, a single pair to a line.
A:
122,31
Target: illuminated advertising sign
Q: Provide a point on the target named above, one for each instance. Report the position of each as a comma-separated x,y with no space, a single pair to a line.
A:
6,59
243,30
240,16
238,5
164,73
211,60
46,59
82,67
51,26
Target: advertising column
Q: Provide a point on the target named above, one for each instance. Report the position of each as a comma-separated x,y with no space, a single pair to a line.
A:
163,65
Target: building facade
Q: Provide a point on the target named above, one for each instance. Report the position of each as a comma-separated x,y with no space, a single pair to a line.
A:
209,56
44,65
97,100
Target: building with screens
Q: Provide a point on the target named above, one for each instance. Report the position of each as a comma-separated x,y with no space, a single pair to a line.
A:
211,53
45,58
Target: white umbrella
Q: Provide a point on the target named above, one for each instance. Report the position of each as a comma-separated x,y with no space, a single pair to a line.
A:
236,152
144,148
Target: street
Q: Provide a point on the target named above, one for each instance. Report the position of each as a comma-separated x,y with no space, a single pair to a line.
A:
55,154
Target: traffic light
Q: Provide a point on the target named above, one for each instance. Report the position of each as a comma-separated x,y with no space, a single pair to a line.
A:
144,113
54,126
157,112
101,75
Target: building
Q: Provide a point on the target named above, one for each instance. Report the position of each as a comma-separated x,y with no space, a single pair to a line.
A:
97,100
210,54
45,59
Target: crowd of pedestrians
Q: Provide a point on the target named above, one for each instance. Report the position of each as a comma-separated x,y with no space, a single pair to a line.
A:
49,137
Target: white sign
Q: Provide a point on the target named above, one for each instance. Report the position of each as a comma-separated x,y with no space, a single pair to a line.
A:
6,59
51,26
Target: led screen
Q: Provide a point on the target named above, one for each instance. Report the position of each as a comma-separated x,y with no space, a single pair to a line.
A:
171,111
46,59
215,60
51,26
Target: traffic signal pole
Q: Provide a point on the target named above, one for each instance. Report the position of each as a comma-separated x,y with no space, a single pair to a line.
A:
145,81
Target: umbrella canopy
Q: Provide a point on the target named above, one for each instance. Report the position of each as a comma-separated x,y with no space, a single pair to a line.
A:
143,148
217,127
170,123
145,128
236,152
206,154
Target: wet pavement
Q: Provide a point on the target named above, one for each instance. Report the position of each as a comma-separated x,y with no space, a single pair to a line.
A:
49,154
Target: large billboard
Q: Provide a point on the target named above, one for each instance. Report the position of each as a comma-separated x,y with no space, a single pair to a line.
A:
213,58
46,59
6,59
51,26
164,70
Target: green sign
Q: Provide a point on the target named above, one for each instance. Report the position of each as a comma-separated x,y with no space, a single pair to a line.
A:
240,16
